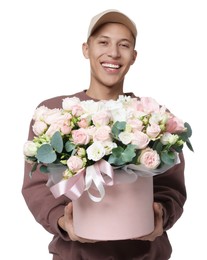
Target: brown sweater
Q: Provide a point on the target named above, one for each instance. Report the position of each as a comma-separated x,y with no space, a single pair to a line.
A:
169,189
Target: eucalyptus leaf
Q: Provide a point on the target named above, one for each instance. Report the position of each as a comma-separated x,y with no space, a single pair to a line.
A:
69,146
189,130
157,146
118,127
57,142
122,156
188,143
168,157
43,169
46,154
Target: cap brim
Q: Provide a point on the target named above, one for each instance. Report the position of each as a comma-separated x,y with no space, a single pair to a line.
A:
112,17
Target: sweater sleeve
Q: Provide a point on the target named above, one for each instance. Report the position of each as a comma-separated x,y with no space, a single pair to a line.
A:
170,191
45,208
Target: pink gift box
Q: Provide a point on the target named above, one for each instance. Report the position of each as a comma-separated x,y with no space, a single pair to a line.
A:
125,212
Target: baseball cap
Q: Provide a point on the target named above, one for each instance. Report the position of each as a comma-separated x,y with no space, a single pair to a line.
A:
111,16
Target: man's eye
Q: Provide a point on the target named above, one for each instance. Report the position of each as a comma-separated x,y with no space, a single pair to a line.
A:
124,45
103,42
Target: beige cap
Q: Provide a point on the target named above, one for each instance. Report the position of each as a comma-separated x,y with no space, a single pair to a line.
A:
111,16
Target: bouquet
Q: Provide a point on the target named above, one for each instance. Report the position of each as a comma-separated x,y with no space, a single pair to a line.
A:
92,138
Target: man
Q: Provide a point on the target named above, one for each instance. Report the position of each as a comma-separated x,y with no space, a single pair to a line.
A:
110,48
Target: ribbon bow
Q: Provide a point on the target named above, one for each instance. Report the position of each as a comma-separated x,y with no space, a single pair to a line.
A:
94,176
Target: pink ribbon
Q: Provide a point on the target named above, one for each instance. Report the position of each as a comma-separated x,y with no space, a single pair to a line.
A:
97,175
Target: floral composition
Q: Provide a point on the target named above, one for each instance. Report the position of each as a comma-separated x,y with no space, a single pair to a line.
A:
127,131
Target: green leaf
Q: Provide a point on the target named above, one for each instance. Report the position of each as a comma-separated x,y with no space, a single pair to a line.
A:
46,154
185,135
168,157
43,169
157,146
69,146
189,130
57,142
118,127
129,153
188,143
177,148
34,168
122,156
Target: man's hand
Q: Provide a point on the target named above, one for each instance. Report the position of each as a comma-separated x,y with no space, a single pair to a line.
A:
158,230
66,223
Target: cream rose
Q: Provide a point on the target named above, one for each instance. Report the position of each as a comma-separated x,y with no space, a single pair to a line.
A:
149,158
30,149
68,103
39,127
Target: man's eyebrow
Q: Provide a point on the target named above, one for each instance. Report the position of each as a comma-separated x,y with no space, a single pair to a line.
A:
107,37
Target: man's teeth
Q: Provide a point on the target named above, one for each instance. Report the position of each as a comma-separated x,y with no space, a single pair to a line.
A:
112,66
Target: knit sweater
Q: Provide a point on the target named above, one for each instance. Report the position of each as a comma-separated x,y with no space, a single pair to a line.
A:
169,190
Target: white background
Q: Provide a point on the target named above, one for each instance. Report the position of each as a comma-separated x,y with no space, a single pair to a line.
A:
41,57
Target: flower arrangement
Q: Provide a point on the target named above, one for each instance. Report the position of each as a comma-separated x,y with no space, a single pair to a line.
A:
126,131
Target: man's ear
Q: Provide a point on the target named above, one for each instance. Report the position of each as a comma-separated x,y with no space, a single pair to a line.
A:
85,50
134,57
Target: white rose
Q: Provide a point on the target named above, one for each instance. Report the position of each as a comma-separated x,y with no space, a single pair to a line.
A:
108,146
39,127
39,113
30,149
125,137
96,151
52,116
68,103
169,138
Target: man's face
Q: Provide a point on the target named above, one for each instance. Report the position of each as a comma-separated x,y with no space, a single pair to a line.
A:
111,53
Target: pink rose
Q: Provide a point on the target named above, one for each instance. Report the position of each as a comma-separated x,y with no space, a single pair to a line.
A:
102,134
77,110
135,124
83,123
75,163
175,125
153,130
148,105
149,158
65,129
101,118
52,129
80,136
140,139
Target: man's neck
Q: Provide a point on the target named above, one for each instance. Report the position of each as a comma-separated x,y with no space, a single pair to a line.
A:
104,93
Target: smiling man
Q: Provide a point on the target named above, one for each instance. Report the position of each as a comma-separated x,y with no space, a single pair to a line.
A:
110,48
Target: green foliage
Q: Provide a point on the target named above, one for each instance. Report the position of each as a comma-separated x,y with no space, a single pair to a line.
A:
46,154
57,142
69,147
117,128
168,157
121,156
